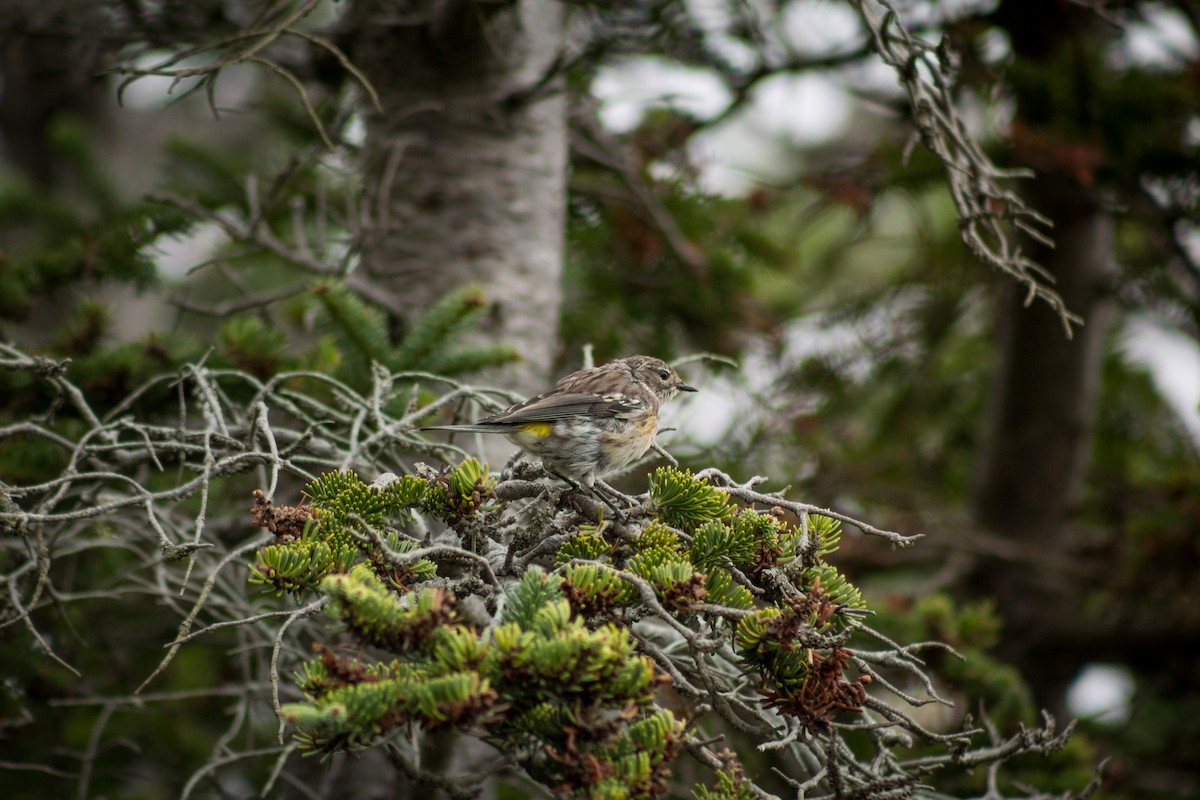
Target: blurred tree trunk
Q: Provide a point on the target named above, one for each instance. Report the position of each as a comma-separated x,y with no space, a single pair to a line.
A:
1039,430
48,74
467,164
1040,424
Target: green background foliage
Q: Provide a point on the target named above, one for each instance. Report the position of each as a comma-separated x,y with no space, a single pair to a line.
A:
854,244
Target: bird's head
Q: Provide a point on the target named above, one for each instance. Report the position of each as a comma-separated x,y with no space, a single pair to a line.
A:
656,375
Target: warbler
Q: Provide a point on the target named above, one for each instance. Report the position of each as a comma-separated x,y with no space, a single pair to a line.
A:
593,422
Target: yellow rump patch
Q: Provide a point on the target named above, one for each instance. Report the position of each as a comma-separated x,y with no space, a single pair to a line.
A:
537,428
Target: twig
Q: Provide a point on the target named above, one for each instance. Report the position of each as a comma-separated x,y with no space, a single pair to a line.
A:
928,73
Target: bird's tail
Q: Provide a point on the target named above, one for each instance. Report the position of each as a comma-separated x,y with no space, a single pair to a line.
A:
467,428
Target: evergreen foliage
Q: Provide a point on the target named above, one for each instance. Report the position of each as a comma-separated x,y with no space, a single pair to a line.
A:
567,648
738,606
685,503
559,681
64,250
323,538
94,237
730,785
302,564
541,682
360,329
430,345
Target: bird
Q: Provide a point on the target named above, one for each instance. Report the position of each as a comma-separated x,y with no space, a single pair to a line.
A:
595,421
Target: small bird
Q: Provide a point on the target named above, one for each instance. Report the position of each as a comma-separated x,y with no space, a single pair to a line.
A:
593,422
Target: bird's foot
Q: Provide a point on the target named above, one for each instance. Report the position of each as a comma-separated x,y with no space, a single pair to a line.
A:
595,493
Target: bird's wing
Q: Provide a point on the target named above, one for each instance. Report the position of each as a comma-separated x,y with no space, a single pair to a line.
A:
555,406
474,428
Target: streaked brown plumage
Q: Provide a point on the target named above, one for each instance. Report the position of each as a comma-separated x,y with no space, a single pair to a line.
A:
595,421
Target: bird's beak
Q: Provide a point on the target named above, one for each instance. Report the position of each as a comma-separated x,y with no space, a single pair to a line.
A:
683,387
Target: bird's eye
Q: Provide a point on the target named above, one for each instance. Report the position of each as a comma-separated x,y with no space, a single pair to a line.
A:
662,373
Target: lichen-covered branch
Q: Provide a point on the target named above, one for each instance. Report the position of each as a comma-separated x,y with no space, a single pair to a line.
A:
501,606
989,215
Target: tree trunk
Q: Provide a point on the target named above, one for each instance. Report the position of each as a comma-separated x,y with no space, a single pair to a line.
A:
467,164
1040,425
1044,399
46,76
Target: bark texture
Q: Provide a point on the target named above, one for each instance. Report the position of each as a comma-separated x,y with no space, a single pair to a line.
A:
466,166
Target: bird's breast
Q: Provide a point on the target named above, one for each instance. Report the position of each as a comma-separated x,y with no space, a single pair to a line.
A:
625,444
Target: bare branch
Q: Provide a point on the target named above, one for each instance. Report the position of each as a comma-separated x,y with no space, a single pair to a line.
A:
985,210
